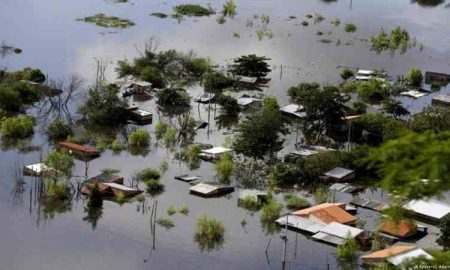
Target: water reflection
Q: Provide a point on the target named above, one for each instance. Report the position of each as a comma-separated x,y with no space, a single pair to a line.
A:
93,208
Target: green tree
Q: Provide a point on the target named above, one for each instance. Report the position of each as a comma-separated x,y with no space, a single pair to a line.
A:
58,130
229,105
104,107
444,236
251,65
259,134
405,162
372,91
17,127
61,161
348,250
415,76
173,97
394,108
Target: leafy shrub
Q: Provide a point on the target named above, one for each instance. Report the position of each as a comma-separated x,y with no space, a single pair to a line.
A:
209,232
171,210
170,137
154,186
372,91
229,8
348,250
350,28
295,202
166,223
57,192
250,203
184,210
224,167
398,38
415,76
116,145
148,173
17,127
271,211
140,137
160,129
193,10
58,130
271,103
61,161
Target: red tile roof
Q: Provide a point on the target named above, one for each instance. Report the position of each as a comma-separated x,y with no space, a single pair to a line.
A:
401,229
328,212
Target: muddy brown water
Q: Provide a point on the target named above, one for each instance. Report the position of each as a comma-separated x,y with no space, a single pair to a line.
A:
54,41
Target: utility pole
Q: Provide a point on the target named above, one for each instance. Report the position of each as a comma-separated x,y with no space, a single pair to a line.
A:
284,238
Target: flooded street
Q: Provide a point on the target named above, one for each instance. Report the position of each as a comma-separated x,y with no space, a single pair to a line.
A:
55,42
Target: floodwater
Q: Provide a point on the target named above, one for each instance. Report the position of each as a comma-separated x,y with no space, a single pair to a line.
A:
55,42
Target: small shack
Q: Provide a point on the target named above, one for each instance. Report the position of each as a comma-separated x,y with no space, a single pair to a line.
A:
431,211
117,190
336,234
80,150
187,177
141,116
441,100
436,77
402,229
214,153
395,255
368,203
210,189
340,174
294,110
90,183
38,169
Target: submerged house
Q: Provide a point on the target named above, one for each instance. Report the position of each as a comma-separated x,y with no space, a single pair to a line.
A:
432,210
38,169
214,153
80,150
327,213
437,77
294,110
336,234
209,189
395,255
441,100
109,185
141,116
340,174
400,230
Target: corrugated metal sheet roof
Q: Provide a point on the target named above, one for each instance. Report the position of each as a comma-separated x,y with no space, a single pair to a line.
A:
300,223
403,257
338,172
341,230
432,208
329,238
